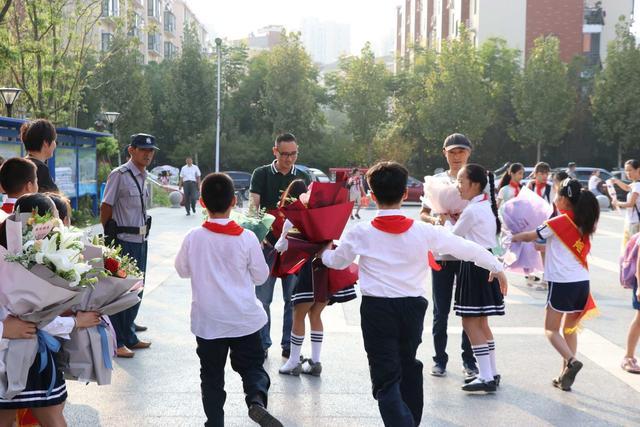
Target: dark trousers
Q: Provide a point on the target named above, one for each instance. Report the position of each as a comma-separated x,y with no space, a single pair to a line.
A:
442,286
123,322
190,195
246,357
392,332
264,293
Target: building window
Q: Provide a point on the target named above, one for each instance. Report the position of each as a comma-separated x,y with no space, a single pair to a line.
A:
153,9
107,38
110,8
169,22
170,50
154,43
137,24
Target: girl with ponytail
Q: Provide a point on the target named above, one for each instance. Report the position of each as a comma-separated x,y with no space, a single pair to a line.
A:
478,295
566,270
510,183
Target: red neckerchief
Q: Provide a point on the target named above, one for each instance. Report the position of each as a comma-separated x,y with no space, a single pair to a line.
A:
516,187
230,228
398,224
8,207
485,197
394,224
564,227
540,187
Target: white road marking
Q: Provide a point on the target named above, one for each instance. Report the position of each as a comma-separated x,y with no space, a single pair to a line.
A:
594,346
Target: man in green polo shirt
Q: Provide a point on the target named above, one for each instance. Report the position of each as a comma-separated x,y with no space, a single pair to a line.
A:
267,184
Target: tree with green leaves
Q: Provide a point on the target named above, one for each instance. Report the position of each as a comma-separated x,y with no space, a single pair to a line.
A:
616,105
361,89
188,106
118,84
46,45
542,99
458,98
500,69
292,96
410,91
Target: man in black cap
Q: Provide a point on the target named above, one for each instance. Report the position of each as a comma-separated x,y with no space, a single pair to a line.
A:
456,150
123,214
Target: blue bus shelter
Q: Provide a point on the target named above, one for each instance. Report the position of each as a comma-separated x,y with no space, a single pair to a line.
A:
74,164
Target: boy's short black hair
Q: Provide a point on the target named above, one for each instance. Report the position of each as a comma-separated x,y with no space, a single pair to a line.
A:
34,134
15,173
388,182
38,202
217,192
62,205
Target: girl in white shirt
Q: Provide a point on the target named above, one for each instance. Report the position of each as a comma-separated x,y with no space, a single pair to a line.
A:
632,205
510,186
566,270
476,297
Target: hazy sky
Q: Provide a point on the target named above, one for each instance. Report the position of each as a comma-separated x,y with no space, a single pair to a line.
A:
370,20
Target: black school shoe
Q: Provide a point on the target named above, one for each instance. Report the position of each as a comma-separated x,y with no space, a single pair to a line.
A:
260,415
569,374
496,378
480,385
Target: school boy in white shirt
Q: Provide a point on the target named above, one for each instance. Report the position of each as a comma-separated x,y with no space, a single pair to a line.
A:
224,263
392,282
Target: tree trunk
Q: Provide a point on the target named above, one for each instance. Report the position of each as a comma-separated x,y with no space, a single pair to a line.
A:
538,151
620,155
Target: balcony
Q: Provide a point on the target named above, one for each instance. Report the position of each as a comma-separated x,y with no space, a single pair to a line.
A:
153,43
153,9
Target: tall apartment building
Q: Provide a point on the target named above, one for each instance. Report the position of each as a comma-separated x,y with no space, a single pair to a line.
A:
158,24
324,40
584,27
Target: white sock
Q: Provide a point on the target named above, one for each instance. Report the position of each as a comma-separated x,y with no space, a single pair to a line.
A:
296,349
316,345
492,356
481,352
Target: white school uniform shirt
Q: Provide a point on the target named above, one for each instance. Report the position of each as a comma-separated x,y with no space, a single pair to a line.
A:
224,271
395,265
560,265
631,214
477,223
190,173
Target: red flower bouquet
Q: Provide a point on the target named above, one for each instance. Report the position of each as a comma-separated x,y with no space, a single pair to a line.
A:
318,223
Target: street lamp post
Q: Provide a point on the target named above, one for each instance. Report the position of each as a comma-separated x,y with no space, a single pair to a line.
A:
219,51
111,117
9,96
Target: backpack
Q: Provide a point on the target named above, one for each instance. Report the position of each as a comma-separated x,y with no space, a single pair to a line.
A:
629,263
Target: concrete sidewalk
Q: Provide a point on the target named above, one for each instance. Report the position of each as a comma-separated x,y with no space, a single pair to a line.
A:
161,386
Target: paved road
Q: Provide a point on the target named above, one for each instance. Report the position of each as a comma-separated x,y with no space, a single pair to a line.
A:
160,386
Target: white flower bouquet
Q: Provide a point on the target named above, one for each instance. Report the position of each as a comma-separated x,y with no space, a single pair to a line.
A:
43,273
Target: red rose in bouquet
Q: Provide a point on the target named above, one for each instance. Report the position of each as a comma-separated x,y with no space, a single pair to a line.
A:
111,265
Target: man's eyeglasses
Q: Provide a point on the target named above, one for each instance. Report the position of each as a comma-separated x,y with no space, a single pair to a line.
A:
289,154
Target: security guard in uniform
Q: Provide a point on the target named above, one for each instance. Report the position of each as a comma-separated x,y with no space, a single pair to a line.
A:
123,214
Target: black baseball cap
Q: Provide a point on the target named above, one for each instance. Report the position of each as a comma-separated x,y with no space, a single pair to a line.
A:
456,140
143,140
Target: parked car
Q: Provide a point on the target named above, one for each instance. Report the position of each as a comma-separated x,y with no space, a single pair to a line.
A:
241,182
314,173
415,189
584,173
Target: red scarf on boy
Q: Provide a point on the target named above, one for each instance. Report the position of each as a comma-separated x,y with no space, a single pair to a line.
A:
231,228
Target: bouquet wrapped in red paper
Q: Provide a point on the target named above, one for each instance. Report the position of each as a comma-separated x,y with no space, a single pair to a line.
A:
314,220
